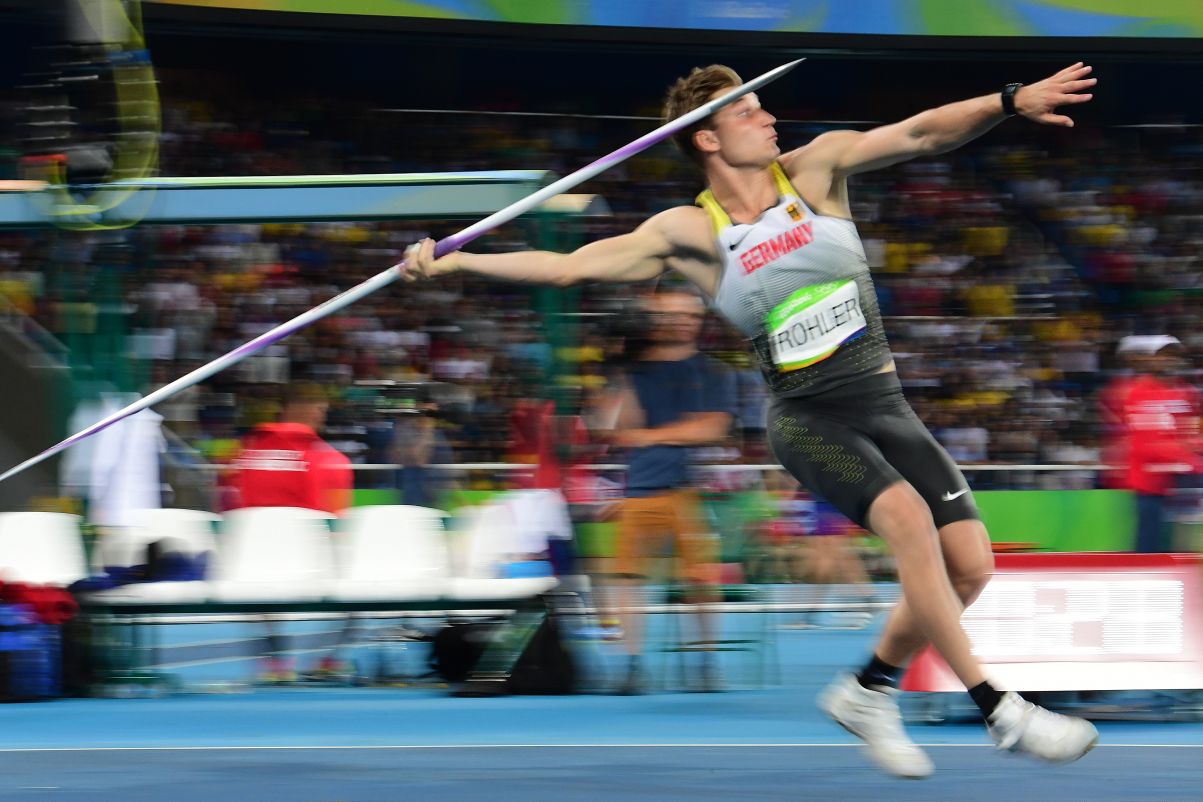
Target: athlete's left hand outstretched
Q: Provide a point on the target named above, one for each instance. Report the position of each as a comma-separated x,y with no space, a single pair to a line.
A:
1039,101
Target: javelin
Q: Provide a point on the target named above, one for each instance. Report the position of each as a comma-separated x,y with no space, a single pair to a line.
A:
441,248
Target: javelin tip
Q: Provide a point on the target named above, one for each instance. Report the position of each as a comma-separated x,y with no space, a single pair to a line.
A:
784,68
761,80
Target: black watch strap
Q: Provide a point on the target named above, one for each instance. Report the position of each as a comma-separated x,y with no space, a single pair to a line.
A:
1008,99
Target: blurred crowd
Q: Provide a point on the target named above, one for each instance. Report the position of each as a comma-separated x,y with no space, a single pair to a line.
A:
1008,274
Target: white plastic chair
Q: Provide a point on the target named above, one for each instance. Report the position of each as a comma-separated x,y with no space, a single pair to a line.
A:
273,554
191,531
487,539
42,548
396,552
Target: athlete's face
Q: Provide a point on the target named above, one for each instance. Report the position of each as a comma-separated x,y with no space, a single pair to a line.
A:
743,132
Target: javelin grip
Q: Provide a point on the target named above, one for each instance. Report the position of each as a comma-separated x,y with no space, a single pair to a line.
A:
441,248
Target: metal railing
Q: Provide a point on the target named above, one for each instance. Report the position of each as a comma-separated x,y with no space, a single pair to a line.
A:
987,476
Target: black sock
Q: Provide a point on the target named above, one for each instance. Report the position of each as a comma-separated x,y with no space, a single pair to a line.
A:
879,674
986,697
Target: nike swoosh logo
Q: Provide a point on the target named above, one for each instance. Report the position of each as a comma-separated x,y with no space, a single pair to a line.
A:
742,237
950,496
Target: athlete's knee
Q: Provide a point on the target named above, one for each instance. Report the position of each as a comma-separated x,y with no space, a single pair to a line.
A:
969,582
968,557
901,517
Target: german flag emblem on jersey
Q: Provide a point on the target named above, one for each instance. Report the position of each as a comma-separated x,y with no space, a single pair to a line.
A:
795,213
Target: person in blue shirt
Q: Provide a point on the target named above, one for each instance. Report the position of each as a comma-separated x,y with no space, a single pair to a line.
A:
670,398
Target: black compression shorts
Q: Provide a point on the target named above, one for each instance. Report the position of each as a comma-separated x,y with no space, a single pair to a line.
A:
849,444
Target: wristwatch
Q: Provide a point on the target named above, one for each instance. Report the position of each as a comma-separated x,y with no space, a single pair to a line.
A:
1008,99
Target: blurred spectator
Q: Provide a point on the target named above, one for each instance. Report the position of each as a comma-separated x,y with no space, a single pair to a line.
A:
782,551
669,399
119,470
1157,416
286,464
418,443
832,562
555,445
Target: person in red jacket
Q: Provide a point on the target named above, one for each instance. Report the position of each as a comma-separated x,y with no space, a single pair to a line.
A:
286,464
1158,425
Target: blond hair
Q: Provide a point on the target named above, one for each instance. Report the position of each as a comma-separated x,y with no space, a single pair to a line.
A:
692,91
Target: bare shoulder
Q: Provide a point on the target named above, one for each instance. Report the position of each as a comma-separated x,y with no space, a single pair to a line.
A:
820,153
690,244
814,170
683,226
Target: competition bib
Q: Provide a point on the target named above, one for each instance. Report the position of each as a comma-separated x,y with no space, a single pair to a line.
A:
813,323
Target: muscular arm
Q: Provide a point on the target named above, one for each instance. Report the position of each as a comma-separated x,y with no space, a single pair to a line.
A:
671,239
637,256
939,130
928,133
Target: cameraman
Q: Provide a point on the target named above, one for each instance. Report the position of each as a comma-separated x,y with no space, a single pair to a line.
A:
669,399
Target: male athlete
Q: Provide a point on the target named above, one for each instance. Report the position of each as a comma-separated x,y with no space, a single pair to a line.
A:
772,242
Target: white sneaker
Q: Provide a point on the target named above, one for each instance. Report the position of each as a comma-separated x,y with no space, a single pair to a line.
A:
1018,725
873,717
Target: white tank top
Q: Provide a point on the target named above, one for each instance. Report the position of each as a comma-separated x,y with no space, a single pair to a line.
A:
797,284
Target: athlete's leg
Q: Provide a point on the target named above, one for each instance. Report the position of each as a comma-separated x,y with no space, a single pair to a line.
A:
968,561
837,461
1013,722
931,609
912,450
871,457
901,517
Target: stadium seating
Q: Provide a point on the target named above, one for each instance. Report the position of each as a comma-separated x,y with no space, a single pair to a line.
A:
396,552
44,548
187,531
485,544
274,554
